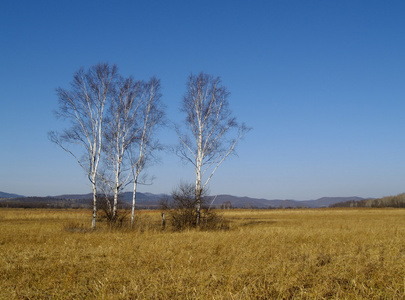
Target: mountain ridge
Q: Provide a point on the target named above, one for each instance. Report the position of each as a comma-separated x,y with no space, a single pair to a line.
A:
149,200
9,195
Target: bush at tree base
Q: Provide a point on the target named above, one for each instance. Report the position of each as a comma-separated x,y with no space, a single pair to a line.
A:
182,214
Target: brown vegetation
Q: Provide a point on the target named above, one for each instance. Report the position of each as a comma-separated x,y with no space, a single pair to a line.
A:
276,254
183,215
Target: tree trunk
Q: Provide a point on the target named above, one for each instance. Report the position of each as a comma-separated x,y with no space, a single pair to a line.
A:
133,203
198,174
93,223
198,197
116,190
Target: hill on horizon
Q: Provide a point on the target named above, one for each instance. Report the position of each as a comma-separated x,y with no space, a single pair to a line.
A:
149,200
8,195
247,202
397,201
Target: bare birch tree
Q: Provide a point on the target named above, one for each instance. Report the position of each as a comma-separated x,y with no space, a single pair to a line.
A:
214,131
84,106
134,113
151,116
121,131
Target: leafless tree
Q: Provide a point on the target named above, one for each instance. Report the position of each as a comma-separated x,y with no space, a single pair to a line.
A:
122,130
84,106
214,131
151,116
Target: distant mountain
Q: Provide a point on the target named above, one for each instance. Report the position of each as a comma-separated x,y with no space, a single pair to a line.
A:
242,202
7,195
328,201
143,200
397,201
44,202
75,196
246,202
149,200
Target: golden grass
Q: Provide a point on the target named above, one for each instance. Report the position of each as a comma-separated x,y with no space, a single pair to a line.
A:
267,254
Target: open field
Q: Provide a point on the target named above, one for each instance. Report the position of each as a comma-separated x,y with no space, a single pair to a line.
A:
266,254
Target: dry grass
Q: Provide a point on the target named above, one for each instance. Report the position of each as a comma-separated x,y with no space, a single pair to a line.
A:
277,254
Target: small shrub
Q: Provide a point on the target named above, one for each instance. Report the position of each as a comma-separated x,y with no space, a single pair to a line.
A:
211,220
182,213
105,206
121,218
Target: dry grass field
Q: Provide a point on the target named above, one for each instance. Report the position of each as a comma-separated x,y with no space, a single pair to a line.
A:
266,254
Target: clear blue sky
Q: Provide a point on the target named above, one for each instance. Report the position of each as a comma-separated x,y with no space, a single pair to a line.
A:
322,83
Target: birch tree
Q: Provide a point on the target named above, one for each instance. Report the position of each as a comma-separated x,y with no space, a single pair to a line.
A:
135,112
84,106
151,116
212,131
122,131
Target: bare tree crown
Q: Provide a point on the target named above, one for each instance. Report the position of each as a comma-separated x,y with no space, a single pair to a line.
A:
210,122
113,118
84,106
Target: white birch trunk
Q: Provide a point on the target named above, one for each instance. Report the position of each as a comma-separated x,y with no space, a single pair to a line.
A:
136,170
116,191
198,197
133,202
117,183
198,175
96,159
94,187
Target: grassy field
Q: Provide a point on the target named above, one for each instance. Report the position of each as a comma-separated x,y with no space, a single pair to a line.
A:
266,254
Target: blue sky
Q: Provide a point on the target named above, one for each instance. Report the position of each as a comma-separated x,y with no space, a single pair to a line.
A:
320,82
